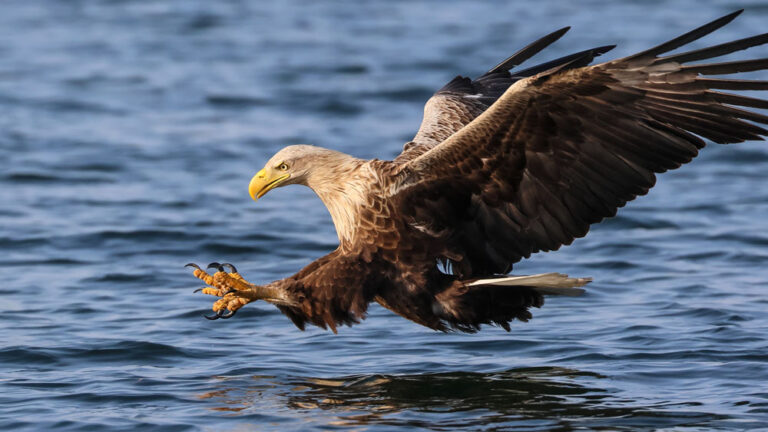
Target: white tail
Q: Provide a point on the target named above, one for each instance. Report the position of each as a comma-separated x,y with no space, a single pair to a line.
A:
545,283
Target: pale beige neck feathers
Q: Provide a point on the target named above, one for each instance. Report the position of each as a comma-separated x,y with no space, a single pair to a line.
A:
343,183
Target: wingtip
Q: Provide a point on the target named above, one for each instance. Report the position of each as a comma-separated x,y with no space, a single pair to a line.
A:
730,17
529,51
603,49
687,38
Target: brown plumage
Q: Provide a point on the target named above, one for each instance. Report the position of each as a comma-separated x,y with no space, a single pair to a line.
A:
504,166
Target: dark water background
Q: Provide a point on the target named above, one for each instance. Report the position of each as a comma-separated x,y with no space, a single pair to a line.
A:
129,131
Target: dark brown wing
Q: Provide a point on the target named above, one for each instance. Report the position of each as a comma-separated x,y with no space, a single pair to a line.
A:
463,99
566,148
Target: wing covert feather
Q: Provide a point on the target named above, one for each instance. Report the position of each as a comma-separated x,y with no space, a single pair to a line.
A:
462,100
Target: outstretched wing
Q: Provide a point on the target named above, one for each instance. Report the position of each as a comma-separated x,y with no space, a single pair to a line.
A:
463,99
566,148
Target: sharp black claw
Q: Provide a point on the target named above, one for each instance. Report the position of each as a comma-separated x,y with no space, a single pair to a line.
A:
229,315
221,314
198,290
232,269
216,265
218,315
231,290
193,265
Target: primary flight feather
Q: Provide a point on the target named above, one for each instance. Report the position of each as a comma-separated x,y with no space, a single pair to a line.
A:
503,166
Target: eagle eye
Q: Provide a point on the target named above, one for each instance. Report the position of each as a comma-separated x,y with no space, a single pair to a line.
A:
283,167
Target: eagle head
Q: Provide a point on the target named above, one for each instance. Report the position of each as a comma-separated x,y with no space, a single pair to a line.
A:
290,165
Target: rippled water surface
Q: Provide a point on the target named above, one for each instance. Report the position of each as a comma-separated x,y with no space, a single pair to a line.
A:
129,131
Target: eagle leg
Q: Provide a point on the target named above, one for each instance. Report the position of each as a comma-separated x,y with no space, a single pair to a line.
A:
234,290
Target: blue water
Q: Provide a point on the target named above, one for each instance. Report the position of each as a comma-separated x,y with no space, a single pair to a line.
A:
129,131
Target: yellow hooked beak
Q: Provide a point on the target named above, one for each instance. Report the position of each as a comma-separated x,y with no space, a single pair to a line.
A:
262,183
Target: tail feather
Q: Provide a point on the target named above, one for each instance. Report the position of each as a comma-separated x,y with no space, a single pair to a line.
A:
466,305
545,283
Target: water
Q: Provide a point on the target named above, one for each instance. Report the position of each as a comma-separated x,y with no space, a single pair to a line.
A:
129,132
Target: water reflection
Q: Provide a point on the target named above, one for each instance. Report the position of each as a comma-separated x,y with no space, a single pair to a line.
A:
546,397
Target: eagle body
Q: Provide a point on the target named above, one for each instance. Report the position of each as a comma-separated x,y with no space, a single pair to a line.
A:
512,163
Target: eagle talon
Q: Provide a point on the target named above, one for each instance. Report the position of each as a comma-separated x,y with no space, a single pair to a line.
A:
229,285
229,315
220,314
193,265
215,265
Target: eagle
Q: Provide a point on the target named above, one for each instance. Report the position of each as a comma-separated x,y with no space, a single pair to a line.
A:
515,162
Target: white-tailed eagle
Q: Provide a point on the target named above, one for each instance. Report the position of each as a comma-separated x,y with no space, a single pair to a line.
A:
503,166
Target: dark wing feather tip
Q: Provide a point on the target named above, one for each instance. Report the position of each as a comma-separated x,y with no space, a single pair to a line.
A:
717,50
726,68
595,52
686,38
732,84
529,51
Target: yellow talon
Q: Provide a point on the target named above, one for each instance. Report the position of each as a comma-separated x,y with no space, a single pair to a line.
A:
234,291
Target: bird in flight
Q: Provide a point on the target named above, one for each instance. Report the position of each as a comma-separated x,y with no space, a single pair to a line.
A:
512,163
